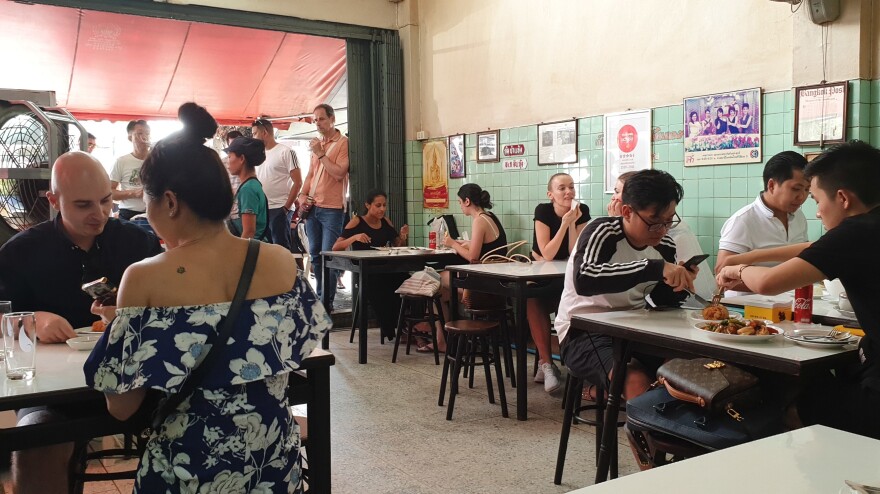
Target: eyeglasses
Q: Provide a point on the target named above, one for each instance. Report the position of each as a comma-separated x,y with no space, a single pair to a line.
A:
261,122
656,227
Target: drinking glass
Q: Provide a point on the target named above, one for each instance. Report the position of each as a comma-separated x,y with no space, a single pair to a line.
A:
20,343
5,308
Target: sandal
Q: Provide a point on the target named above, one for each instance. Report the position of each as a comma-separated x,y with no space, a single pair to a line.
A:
424,347
589,393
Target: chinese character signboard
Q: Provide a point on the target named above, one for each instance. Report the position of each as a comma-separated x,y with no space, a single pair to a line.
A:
627,144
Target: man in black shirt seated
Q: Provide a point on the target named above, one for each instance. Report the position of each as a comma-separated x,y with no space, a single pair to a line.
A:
845,182
43,268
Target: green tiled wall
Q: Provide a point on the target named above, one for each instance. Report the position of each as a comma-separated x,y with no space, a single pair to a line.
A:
712,193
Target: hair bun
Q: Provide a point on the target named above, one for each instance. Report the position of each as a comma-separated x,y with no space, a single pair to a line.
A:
485,199
197,122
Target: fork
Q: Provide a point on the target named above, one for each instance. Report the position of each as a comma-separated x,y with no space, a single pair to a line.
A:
716,299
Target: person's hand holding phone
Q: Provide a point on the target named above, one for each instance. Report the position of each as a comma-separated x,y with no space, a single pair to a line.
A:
106,312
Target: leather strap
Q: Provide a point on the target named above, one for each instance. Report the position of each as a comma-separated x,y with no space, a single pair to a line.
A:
200,370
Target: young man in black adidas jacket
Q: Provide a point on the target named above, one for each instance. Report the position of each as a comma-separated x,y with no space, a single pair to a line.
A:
617,261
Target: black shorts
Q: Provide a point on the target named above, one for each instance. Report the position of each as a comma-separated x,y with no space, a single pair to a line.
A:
591,357
841,403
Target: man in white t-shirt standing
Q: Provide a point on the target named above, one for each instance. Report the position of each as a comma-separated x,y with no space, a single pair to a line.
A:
775,218
125,175
281,179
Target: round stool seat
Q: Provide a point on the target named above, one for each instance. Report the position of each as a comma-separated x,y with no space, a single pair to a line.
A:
471,327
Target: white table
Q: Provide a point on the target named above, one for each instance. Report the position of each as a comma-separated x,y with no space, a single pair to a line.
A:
59,375
518,281
671,331
814,459
60,379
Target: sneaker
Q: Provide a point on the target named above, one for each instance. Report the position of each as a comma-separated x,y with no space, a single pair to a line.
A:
539,376
551,377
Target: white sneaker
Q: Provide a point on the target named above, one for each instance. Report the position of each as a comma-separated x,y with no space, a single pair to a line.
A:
551,377
539,376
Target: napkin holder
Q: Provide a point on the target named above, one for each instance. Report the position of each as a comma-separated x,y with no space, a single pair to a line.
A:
769,310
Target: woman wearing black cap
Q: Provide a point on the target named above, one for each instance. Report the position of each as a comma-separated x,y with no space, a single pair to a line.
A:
245,154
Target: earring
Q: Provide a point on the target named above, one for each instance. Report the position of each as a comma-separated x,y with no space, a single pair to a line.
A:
171,213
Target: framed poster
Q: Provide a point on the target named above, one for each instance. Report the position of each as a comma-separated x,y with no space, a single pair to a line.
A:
557,143
820,114
627,144
435,185
456,156
723,128
487,147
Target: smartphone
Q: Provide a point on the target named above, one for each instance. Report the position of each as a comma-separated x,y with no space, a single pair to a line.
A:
694,261
101,290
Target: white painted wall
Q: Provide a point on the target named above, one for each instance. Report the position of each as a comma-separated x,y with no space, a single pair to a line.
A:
502,63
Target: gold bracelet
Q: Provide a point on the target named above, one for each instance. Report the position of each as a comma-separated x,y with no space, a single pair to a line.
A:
744,266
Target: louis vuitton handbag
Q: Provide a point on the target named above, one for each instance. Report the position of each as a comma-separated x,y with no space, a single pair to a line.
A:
710,384
696,406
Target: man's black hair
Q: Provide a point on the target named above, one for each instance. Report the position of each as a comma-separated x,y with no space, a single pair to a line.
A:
132,124
853,166
781,167
651,188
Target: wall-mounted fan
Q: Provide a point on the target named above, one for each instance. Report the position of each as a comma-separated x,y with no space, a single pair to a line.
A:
31,138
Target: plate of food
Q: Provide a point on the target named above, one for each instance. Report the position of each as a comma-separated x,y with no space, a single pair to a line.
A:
744,330
820,337
712,313
96,327
84,342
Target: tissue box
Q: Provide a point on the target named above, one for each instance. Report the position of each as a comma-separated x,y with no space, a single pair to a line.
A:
769,310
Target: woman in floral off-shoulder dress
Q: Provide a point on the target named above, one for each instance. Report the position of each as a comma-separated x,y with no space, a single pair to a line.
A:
235,432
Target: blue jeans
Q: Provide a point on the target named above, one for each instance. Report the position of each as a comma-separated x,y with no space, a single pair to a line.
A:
323,227
279,227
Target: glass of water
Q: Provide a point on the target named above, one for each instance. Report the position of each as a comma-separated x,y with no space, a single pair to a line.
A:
20,343
5,308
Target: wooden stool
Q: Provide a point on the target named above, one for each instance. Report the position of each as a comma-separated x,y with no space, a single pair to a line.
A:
572,404
409,317
504,316
466,340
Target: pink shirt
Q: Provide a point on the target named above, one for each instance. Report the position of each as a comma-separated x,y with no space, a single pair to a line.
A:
330,192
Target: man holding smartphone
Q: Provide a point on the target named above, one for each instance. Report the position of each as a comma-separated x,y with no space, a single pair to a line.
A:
43,268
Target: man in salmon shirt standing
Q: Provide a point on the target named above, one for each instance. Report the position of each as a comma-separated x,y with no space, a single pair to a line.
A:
324,192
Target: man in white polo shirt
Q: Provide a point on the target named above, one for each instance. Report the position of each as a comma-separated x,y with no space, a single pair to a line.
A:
775,218
281,179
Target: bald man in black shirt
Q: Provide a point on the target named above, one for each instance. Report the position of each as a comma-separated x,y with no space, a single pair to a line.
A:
43,268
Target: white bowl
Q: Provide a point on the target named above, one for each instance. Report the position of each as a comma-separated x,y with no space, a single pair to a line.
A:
84,342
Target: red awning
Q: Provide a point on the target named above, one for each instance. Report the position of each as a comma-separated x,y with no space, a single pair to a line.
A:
118,67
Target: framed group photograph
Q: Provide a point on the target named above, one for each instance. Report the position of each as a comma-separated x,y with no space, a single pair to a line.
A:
627,144
487,147
456,156
723,128
820,114
557,143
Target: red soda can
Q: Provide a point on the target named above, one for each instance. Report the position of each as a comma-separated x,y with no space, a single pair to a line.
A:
432,240
803,304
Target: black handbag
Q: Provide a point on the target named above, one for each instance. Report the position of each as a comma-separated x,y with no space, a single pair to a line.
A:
658,411
168,404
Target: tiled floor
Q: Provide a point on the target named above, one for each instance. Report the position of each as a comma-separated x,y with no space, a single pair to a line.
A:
389,435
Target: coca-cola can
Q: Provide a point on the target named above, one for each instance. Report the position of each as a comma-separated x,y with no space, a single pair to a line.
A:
803,304
432,241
